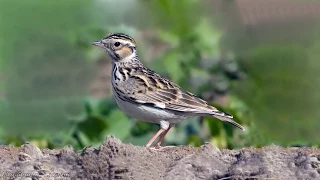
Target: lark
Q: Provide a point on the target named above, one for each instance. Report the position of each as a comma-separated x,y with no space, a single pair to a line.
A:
145,95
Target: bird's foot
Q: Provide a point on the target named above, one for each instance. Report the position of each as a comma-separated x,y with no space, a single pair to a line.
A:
160,148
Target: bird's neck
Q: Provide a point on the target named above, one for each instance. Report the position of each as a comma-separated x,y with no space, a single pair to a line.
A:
130,60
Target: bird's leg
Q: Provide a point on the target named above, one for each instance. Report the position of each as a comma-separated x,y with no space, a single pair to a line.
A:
161,138
154,137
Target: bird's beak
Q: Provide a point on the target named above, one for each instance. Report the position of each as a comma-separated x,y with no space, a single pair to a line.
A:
99,44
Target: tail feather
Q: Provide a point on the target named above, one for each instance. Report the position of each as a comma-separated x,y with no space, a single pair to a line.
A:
227,118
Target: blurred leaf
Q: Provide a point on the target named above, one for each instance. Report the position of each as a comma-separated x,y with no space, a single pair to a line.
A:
83,138
119,124
194,140
173,66
172,39
141,128
40,143
214,125
219,141
208,38
93,126
106,106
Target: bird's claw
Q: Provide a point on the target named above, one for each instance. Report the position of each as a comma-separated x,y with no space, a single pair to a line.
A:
160,148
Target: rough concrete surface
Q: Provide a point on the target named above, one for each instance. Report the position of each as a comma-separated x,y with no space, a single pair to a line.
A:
114,160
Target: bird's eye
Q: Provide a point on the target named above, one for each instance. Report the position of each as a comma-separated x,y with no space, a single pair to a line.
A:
117,44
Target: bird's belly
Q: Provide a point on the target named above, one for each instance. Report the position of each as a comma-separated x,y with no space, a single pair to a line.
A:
148,113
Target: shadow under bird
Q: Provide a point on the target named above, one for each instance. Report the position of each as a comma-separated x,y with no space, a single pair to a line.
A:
148,96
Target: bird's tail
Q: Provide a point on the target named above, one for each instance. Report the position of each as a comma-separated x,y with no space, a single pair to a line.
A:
226,118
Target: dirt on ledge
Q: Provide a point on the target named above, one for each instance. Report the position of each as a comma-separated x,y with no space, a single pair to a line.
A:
114,160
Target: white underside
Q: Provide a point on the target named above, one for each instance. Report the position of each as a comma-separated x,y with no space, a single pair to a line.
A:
148,113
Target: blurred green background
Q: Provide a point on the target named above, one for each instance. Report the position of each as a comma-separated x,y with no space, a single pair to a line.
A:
254,59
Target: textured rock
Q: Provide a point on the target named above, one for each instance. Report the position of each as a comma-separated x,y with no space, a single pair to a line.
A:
114,160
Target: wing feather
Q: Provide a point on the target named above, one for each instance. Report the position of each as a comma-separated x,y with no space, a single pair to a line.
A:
147,87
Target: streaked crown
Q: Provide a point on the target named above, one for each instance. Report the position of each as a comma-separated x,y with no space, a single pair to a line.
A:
120,36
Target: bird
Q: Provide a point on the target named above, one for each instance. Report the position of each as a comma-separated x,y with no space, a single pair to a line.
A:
147,96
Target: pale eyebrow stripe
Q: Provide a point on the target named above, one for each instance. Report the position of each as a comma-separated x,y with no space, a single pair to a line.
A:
121,41
125,42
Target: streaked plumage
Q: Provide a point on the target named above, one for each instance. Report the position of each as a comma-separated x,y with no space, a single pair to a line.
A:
146,95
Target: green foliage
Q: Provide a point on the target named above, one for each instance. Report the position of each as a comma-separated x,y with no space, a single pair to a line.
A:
47,63
189,35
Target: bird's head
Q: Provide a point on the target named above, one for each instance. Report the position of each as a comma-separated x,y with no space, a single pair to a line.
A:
119,46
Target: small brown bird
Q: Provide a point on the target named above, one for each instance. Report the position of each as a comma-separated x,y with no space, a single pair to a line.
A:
146,95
